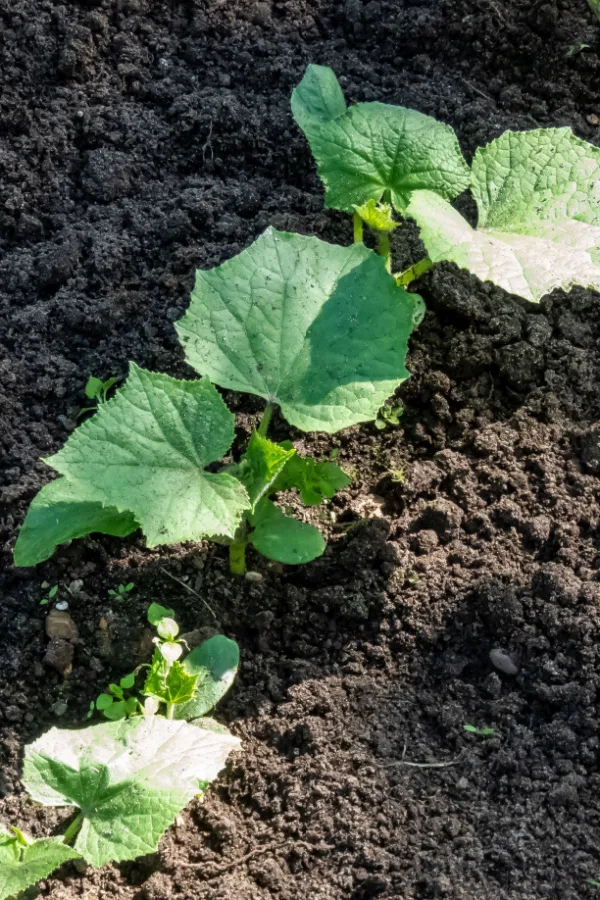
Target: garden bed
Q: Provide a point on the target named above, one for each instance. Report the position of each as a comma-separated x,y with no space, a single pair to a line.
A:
139,141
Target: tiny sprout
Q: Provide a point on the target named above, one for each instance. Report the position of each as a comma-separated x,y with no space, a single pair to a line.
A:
49,596
473,729
122,591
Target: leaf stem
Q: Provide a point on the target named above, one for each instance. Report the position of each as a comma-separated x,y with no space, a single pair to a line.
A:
73,829
170,710
409,275
237,557
266,420
358,228
384,249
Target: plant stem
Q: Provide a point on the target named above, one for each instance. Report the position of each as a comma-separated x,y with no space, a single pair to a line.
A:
384,249
358,229
73,829
266,420
237,557
170,710
409,275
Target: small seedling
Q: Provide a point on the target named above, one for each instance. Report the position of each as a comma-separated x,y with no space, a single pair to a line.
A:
130,777
474,729
49,596
593,883
97,390
389,416
574,49
122,591
397,476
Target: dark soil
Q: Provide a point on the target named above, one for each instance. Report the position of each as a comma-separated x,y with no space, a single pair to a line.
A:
140,140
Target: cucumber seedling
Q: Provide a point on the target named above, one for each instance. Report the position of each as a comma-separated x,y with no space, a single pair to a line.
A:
317,330
537,192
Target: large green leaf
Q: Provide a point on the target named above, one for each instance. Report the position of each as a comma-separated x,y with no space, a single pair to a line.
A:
538,196
24,864
320,329
60,512
374,148
282,538
129,779
145,451
214,663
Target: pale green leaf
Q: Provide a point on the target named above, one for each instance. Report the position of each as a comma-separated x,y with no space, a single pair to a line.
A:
93,387
60,512
129,779
170,683
320,329
214,663
282,538
538,196
261,464
24,864
318,98
374,148
145,451
378,216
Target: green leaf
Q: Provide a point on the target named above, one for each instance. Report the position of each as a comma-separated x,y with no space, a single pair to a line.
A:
282,538
214,664
145,451
261,464
314,481
93,387
320,329
156,612
23,865
127,681
116,711
103,701
60,512
372,149
595,7
129,779
318,98
171,684
539,215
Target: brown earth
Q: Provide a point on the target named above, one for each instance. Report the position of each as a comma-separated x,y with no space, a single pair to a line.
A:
140,140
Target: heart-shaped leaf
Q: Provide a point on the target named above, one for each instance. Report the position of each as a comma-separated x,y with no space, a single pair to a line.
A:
320,329
282,538
214,663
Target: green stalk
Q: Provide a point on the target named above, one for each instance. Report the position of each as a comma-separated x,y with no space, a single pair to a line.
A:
237,557
73,829
170,710
384,249
358,229
266,420
409,275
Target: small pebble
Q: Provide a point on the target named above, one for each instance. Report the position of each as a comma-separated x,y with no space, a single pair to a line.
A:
503,662
59,708
59,656
255,577
59,624
75,586
62,605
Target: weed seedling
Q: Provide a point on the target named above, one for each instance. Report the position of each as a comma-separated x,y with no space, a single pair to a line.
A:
49,596
122,591
97,391
389,416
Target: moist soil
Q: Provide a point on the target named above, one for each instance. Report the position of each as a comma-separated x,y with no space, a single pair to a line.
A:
142,140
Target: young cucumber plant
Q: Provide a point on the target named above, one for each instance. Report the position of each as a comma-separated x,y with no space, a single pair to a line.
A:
537,192
318,330
188,689
127,779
